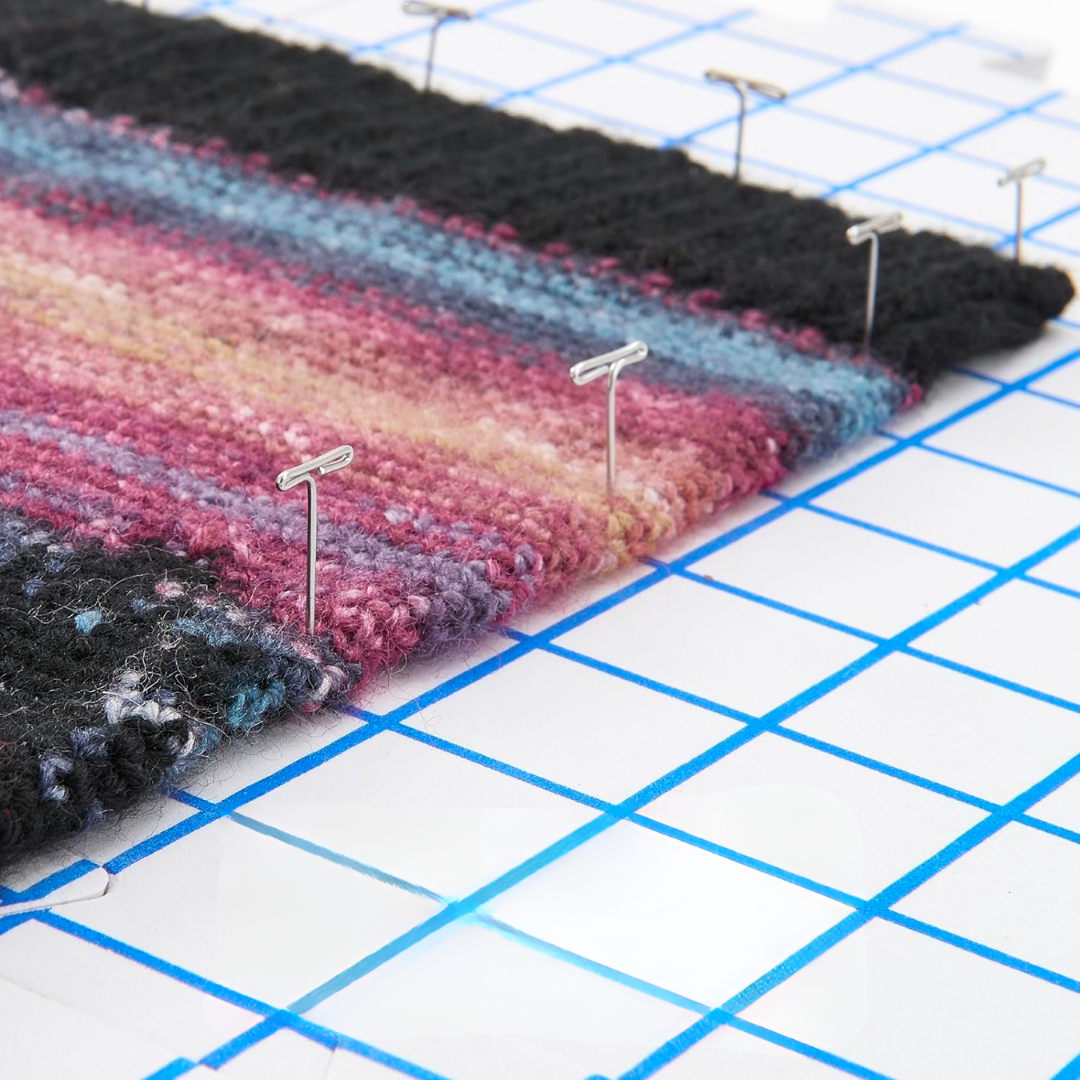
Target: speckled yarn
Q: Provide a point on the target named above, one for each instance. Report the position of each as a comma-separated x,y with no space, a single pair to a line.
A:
180,324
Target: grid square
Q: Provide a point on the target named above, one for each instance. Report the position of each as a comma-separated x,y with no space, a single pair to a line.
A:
753,171
503,57
242,763
1062,568
576,726
392,689
693,56
910,112
1063,382
470,1002
818,472
585,22
691,541
420,814
49,1042
699,12
633,96
243,891
1021,632
952,392
845,35
964,68
713,925
117,991
252,19
908,1005
807,812
719,647
127,830
1016,891
537,620
854,576
969,191
860,203
346,1065
87,886
1028,136
1066,106
933,722
1061,807
1064,230
805,143
1056,342
1021,434
284,1055
462,86
727,1052
348,23
27,872
956,506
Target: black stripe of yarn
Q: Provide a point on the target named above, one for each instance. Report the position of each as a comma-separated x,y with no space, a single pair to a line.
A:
55,676
358,127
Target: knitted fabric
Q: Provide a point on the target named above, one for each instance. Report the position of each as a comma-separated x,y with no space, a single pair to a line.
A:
180,323
356,126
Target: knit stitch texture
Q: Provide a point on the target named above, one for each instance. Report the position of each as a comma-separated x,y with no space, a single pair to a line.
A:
181,321
354,126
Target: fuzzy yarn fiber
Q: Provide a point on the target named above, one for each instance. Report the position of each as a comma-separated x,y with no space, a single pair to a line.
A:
181,320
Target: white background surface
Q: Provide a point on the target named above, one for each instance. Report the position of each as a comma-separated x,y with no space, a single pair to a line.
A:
797,800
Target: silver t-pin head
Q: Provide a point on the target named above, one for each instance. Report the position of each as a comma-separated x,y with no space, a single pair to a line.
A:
743,87
609,364
1017,176
438,13
870,230
305,473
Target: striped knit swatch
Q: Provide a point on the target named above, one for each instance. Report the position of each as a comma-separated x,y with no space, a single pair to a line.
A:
180,324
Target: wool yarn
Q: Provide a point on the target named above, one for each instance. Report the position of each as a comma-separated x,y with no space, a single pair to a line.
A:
352,125
182,321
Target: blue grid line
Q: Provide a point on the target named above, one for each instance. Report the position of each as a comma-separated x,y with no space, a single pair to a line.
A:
585,832
875,907
156,963
781,732
796,736
987,953
831,80
50,883
684,34
1070,1072
987,125
891,534
1030,390
272,1023
986,466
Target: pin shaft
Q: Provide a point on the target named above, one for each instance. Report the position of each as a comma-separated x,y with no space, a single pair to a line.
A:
1017,175
609,364
439,13
742,86
870,231
305,473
